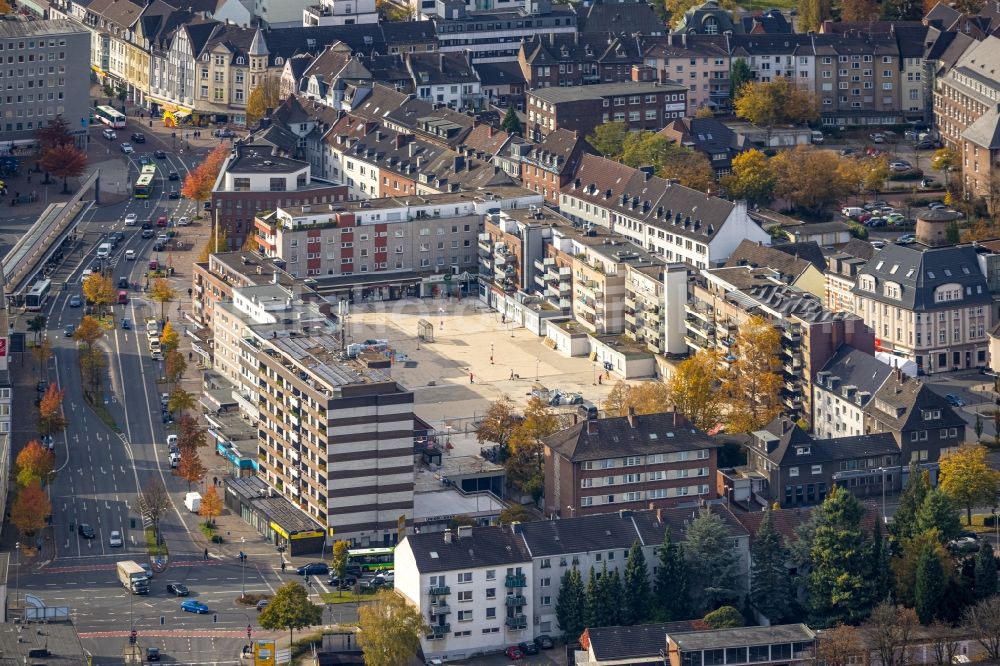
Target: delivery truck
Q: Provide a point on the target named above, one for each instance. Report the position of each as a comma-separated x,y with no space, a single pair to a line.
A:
193,502
133,577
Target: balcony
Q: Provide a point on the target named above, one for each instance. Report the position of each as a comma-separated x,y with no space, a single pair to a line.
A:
439,630
517,622
565,303
440,591
696,343
544,264
500,259
516,580
792,368
791,386
565,272
791,334
630,302
516,600
699,310
440,609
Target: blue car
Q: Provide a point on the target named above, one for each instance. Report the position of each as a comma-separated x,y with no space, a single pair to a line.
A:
192,606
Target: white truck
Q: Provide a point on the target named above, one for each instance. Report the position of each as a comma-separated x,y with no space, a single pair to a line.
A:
193,502
133,577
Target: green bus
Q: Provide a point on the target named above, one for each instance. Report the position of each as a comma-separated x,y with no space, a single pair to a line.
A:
372,559
144,186
148,170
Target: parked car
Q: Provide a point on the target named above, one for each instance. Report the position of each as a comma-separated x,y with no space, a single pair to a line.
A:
194,606
875,222
514,652
966,542
528,648
115,540
935,205
877,138
544,641
178,589
895,218
900,166
127,148
926,144
86,531
49,442
223,133
313,569
954,400
906,239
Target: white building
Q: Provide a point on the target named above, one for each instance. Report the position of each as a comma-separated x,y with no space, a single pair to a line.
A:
340,12
842,391
472,587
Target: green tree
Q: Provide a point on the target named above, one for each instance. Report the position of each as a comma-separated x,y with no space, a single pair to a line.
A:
931,585
36,325
612,596
725,617
515,513
739,76
340,552
904,521
770,589
511,123
812,13
839,584
904,564
752,383
751,178
712,562
637,603
968,479
938,512
880,564
592,611
608,139
985,573
670,587
498,423
526,452
389,629
571,604
291,609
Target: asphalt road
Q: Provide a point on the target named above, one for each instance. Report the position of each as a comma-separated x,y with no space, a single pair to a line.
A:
100,471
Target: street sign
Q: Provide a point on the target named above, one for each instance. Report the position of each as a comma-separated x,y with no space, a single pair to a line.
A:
263,652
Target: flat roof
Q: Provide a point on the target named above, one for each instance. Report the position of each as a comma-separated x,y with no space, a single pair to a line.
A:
599,90
59,638
256,158
444,503
26,28
723,638
497,193
254,490
321,354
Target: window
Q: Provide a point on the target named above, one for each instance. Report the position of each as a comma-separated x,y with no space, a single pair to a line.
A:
465,596
793,471
465,577
491,574
491,593
546,563
465,616
491,613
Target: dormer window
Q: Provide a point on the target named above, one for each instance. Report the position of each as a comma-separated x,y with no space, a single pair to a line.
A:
931,414
801,450
239,60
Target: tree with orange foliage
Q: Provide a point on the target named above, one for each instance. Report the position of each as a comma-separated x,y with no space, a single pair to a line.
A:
5,7
34,463
31,509
64,161
199,183
51,419
190,467
211,506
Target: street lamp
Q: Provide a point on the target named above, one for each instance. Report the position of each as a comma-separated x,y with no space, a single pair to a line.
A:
537,362
17,576
243,569
996,523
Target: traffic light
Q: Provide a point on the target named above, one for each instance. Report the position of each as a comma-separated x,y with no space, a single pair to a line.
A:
215,618
132,636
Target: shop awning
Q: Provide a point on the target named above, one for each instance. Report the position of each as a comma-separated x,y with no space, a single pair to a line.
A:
181,114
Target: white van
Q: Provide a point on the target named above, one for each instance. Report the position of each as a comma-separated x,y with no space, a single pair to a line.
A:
154,344
852,211
104,250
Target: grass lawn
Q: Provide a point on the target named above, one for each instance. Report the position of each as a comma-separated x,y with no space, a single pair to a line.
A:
151,546
340,597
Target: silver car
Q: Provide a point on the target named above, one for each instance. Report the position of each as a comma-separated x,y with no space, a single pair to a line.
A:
115,540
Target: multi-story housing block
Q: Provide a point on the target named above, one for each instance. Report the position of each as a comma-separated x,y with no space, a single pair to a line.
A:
340,12
842,391
858,79
642,106
472,587
549,165
510,248
627,462
599,277
724,298
927,302
44,65
572,59
213,282
667,219
842,273
335,436
254,179
699,62
652,313
965,92
792,56
424,234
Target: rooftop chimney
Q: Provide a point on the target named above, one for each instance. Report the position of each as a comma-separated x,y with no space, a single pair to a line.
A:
591,426
447,536
631,417
464,531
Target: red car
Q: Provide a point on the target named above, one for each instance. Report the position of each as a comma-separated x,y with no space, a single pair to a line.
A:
161,221
514,652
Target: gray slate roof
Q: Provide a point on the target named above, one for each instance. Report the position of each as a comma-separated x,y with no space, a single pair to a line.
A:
644,641
628,435
855,368
483,547
788,264
919,270
910,398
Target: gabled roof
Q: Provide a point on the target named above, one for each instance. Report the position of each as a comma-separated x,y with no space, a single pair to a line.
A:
784,521
440,68
757,45
500,73
642,434
628,17
796,447
854,368
486,138
907,399
943,15
477,547
985,131
771,22
559,151
858,248
643,641
789,265
709,136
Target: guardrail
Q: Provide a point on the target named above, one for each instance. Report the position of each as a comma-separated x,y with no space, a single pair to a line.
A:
34,247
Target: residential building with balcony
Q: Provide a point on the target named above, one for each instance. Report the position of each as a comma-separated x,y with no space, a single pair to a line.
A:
627,462
723,299
701,63
494,35
510,247
387,237
842,391
654,313
791,56
799,265
256,178
472,588
335,438
858,79
926,302
340,12
800,470
921,421
673,221
642,106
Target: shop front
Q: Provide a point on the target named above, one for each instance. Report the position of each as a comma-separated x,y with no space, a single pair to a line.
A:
274,516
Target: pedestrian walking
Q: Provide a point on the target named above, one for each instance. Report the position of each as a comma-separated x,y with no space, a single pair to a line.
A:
206,553
512,374
470,379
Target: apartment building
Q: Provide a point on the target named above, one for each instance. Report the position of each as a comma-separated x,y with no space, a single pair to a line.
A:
494,35
548,165
699,62
629,462
213,281
921,421
842,391
470,587
673,221
964,94
710,137
799,265
723,299
253,179
654,313
335,437
445,78
927,302
643,106
511,244
800,470
792,56
340,12
842,272
858,79
572,59
421,234
44,70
